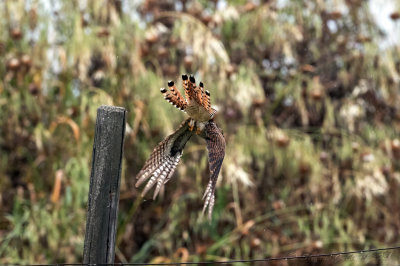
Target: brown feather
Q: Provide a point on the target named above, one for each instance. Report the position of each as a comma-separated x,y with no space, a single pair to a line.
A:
216,153
164,159
162,163
185,83
173,99
179,101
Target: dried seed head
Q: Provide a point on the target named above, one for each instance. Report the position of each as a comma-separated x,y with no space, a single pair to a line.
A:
255,242
169,70
13,64
26,60
249,6
230,69
162,51
282,141
335,15
307,68
396,148
16,33
316,94
304,168
395,16
188,61
323,156
33,89
33,17
173,41
144,50
103,32
206,19
151,37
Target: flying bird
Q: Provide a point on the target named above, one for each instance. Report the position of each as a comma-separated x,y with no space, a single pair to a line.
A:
158,169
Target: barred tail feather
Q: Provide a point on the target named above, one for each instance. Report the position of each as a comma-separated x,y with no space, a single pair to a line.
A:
185,82
173,98
179,100
194,91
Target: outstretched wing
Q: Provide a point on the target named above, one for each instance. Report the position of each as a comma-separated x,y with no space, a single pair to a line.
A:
216,153
164,159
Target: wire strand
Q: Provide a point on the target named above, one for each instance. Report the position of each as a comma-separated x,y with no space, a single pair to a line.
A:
231,261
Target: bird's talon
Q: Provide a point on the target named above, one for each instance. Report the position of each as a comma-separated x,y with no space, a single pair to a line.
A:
191,125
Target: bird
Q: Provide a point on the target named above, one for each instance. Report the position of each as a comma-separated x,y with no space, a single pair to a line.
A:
159,168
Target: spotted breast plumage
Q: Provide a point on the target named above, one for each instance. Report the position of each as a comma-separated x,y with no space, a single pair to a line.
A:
162,163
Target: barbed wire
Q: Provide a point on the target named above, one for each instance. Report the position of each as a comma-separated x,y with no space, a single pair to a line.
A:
302,257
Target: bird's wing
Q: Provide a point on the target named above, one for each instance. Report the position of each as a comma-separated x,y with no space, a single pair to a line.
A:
164,159
216,153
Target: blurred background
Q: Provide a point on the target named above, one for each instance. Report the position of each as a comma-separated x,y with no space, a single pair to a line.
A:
308,99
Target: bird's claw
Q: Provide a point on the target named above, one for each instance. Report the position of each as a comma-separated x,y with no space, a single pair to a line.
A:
191,124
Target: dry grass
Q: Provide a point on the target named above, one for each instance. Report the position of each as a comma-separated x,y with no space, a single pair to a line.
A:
310,115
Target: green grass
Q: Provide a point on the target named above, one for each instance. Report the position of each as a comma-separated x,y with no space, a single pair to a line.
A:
287,186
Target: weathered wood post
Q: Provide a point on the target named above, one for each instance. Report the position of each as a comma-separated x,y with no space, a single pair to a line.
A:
101,223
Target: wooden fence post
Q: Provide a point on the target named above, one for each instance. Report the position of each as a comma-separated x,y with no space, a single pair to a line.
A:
101,223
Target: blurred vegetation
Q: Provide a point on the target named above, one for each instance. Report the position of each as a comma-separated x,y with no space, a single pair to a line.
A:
308,99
